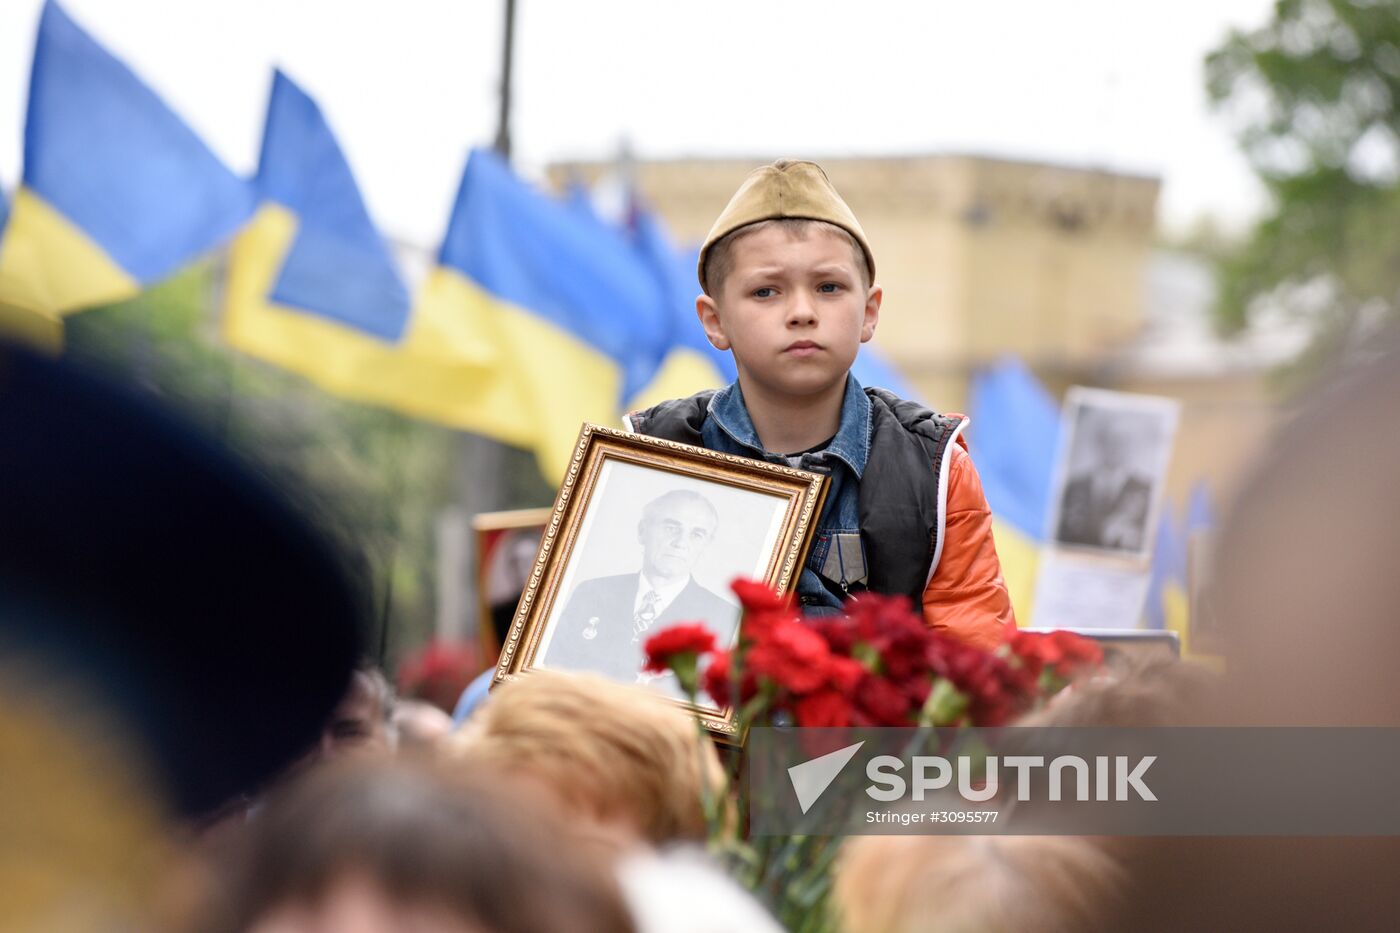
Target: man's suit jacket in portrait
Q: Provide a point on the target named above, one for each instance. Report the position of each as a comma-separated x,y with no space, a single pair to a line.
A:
1114,521
594,632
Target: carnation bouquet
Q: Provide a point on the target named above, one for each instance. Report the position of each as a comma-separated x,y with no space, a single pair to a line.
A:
876,664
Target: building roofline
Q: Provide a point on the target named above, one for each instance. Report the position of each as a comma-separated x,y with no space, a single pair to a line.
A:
834,159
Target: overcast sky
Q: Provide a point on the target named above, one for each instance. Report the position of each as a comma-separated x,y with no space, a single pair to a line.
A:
410,85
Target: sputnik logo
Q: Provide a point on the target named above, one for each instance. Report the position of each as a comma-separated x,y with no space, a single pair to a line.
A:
811,778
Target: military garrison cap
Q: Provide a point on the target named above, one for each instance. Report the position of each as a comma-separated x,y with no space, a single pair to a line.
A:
786,188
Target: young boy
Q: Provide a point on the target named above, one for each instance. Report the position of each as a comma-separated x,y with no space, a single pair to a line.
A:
788,283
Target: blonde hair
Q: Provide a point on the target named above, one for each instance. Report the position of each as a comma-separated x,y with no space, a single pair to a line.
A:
619,752
719,261
974,884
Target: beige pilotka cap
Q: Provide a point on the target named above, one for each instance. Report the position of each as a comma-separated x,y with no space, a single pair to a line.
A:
787,188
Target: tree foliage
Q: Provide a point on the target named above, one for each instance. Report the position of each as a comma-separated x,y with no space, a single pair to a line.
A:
1315,97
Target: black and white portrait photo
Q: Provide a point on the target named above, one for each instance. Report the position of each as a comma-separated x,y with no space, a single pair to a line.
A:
1112,471
646,534
656,548
506,545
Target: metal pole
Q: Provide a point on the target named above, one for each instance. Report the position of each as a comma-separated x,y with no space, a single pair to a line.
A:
481,461
507,55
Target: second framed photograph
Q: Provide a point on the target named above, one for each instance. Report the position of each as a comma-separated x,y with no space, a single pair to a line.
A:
1112,470
506,545
646,533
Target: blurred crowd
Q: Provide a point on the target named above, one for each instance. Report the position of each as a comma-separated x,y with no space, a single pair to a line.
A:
187,741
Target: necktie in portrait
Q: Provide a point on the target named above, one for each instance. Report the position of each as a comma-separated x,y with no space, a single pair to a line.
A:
645,614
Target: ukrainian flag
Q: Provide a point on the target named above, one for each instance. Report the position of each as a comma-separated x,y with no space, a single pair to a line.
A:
1200,519
872,369
1015,436
117,192
1166,589
1168,600
656,260
690,362
1200,512
22,324
568,319
312,287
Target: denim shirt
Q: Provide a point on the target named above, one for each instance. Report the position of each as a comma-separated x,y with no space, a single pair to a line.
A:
729,429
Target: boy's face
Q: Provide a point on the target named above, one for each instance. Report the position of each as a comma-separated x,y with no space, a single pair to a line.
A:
794,309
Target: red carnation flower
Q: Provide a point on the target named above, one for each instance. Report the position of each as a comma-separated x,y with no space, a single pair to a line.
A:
893,634
763,609
840,633
825,708
756,596
996,691
1075,652
677,648
792,656
843,674
715,679
685,638
880,703
1063,652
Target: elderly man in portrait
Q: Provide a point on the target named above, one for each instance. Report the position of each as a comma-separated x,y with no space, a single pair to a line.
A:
608,619
1107,505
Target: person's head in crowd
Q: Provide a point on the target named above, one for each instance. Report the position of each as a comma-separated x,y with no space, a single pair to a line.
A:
1305,579
393,845
682,890
1138,693
1305,591
1135,692
420,726
203,610
437,672
174,629
622,755
974,884
674,531
362,723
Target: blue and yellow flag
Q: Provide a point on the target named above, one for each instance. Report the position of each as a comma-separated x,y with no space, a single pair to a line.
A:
117,192
872,369
1200,512
690,363
1164,608
1168,599
656,260
567,317
1015,434
1199,520
312,287
38,330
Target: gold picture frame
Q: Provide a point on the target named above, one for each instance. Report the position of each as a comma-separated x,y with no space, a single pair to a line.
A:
690,511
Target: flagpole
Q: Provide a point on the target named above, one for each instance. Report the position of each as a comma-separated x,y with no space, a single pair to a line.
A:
507,59
481,461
